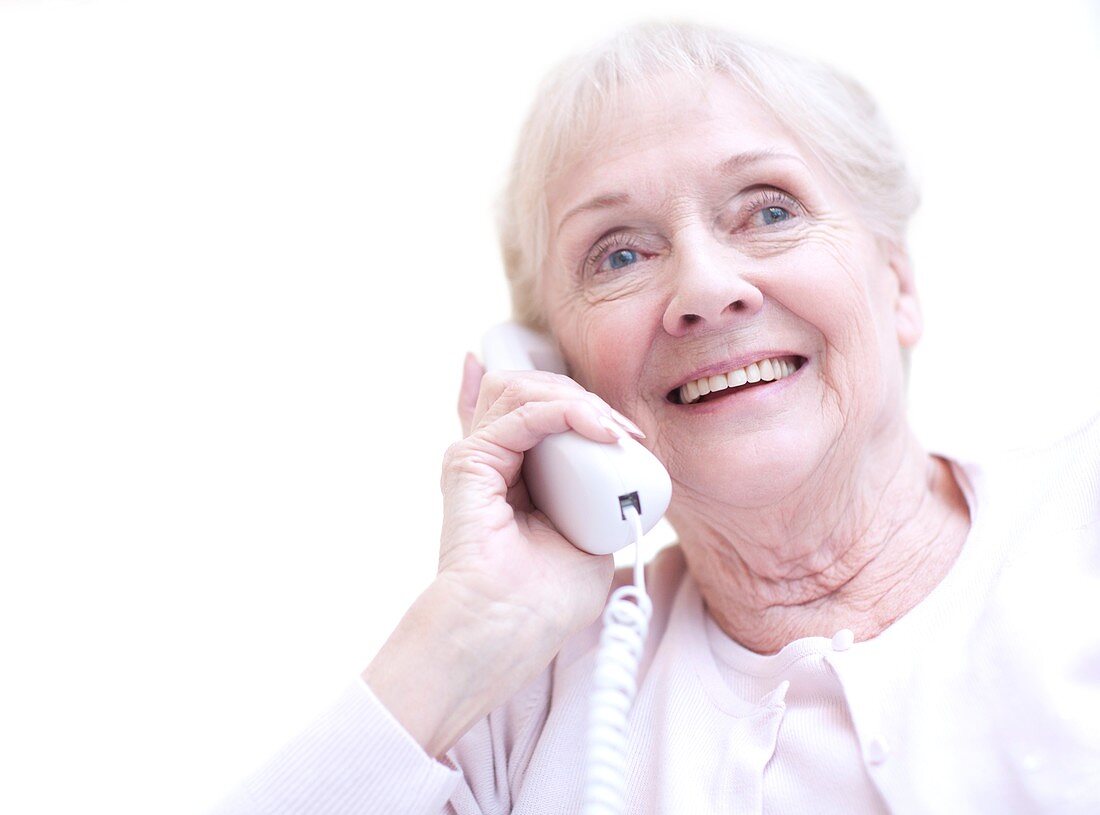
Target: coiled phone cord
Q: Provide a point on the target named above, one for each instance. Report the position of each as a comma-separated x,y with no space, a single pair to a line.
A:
625,626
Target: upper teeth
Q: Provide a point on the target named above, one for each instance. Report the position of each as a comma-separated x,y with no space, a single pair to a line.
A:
766,369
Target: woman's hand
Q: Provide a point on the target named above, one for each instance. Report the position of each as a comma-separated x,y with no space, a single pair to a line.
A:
510,589
497,550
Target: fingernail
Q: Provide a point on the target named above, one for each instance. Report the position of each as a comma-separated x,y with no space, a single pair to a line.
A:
629,425
614,428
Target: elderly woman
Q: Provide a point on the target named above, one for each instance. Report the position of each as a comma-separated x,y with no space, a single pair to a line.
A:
714,234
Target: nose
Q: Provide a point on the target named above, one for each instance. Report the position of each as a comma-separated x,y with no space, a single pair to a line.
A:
710,290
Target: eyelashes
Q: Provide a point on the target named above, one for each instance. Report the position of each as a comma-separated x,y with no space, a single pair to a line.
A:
767,199
607,245
771,199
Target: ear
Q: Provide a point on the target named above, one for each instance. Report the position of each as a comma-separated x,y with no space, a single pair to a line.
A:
907,313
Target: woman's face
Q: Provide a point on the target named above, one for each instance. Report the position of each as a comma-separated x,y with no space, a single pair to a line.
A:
699,236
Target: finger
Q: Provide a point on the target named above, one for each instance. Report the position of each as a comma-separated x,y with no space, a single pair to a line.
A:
532,422
500,445
503,392
472,372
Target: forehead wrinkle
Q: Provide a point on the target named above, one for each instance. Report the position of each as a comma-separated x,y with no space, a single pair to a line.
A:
678,211
604,201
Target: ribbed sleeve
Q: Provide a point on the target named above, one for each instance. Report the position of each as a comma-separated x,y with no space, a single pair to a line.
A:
355,758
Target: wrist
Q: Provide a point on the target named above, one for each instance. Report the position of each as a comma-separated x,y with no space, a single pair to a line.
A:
452,659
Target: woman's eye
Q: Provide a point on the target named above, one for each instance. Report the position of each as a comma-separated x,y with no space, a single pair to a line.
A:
621,258
614,252
773,215
771,207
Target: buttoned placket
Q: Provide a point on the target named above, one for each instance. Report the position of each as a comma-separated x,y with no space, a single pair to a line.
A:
874,743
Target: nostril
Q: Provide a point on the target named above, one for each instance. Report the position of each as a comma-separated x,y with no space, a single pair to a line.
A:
691,319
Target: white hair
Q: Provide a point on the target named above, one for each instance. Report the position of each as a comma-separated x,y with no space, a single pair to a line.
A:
832,115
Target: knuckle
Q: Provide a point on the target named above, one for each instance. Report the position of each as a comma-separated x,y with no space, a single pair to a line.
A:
562,379
453,454
556,380
546,376
526,412
506,393
494,381
459,460
513,392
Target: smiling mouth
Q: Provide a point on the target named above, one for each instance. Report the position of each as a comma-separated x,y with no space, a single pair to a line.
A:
731,382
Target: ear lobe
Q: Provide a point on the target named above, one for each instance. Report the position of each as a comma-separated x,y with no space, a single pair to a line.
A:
907,312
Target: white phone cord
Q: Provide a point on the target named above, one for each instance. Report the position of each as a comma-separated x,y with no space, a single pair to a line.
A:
625,625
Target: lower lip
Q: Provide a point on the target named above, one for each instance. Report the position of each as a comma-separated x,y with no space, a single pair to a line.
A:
753,398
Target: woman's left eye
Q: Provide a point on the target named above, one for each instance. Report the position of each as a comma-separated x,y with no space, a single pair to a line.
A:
771,208
773,215
621,258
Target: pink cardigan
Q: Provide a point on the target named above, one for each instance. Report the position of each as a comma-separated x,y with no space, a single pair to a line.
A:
984,698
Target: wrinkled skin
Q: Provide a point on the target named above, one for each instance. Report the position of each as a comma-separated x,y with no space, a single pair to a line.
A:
806,514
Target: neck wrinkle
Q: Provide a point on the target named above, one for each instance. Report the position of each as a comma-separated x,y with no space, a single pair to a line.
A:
870,569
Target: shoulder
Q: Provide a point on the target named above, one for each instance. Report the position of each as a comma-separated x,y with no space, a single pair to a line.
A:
1023,610
1052,480
1038,530
1078,443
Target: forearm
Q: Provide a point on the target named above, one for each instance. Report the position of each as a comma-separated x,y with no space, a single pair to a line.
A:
450,662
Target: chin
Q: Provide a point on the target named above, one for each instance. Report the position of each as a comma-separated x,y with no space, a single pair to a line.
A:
754,478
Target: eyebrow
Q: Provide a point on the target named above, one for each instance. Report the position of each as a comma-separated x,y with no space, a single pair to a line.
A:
728,166
738,162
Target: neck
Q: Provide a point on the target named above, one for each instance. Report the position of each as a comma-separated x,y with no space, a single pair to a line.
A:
857,557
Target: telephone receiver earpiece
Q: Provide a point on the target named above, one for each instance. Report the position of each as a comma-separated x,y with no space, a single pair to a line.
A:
582,486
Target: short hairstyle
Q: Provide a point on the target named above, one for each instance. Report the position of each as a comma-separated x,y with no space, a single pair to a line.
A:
833,116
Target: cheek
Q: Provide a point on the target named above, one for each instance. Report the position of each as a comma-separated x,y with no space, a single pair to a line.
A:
607,345
825,283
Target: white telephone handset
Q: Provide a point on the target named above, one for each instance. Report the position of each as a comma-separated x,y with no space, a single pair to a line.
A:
583,486
601,497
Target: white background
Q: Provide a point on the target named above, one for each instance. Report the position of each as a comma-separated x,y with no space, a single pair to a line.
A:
244,247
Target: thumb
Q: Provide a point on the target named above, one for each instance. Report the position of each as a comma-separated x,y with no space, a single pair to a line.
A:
468,392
